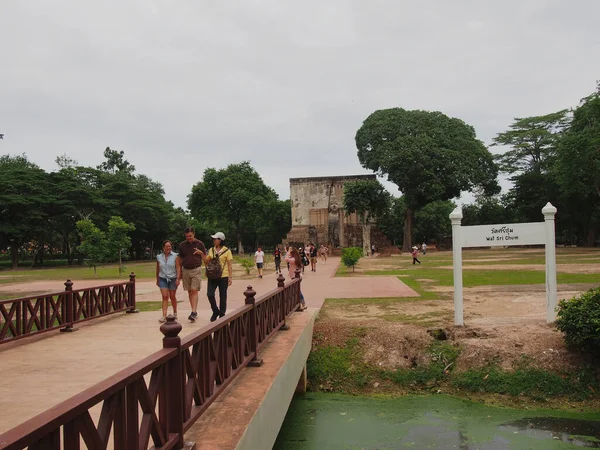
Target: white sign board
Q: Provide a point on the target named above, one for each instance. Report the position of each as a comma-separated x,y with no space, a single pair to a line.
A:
503,235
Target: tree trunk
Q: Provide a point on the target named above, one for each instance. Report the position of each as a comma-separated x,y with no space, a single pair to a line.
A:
34,258
408,225
120,264
591,237
366,236
240,246
14,252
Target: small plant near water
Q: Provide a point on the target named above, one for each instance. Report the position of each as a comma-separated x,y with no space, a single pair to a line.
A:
579,319
351,256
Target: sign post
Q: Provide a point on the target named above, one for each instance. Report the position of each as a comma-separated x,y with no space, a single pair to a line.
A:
535,233
549,211
456,218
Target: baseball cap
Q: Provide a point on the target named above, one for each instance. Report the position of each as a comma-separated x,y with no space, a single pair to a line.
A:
218,235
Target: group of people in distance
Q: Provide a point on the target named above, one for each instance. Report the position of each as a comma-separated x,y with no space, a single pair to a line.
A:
186,266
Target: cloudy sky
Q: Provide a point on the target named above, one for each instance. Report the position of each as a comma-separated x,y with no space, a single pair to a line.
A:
189,84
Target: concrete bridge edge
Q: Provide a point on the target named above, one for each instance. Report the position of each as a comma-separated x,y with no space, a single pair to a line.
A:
264,427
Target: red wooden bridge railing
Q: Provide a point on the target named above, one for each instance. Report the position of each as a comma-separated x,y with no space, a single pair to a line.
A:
184,378
28,316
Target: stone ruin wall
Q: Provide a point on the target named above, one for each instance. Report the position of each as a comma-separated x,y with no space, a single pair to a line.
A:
318,215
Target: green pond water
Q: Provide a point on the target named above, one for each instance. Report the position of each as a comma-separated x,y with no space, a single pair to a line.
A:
329,421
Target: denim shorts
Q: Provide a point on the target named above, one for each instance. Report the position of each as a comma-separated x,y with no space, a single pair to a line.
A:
171,285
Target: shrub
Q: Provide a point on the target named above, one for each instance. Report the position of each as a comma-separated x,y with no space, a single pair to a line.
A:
350,256
579,319
246,263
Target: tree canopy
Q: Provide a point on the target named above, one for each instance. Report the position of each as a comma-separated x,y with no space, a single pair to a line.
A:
235,200
532,141
428,155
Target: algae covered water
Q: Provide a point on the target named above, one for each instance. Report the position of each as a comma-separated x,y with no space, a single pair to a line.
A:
329,421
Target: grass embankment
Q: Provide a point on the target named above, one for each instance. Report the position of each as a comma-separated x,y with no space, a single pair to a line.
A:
342,368
345,364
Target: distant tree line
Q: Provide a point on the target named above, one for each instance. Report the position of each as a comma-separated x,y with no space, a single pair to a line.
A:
40,210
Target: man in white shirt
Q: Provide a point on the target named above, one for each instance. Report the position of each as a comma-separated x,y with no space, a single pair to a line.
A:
259,259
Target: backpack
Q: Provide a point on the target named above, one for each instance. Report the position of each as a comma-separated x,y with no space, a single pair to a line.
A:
214,270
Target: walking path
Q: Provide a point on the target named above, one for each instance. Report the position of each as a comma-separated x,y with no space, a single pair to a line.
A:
39,372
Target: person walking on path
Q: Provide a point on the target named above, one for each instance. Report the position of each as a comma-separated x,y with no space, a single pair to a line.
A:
223,255
424,248
259,260
168,277
190,257
323,252
414,253
293,259
312,251
373,250
303,258
277,258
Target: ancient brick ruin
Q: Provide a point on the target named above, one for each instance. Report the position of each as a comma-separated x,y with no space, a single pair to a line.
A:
318,215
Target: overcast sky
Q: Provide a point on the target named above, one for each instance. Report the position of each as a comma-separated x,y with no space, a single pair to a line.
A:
189,84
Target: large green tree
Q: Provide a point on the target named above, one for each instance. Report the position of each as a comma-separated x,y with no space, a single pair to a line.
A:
369,200
578,162
231,197
25,193
428,155
532,142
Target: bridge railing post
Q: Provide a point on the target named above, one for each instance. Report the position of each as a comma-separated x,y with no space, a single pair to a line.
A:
174,380
133,308
68,313
283,305
250,295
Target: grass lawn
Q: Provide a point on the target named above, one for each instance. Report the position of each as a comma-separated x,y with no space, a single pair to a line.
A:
436,268
142,270
472,278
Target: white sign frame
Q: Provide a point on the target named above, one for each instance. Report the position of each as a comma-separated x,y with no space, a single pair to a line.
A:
531,233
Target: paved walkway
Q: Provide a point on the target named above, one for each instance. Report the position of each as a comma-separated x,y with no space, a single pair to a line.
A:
39,372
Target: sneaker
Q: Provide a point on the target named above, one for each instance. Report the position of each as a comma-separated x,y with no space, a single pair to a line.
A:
192,316
175,315
214,317
162,319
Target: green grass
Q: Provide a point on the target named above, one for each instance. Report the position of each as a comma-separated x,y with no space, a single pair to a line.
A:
341,369
527,381
148,306
471,278
142,270
442,356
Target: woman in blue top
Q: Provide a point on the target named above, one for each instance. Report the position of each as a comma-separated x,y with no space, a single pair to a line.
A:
168,274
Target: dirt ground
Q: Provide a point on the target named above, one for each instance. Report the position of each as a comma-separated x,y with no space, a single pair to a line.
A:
505,325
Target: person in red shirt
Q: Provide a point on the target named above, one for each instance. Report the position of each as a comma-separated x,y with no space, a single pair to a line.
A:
414,254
